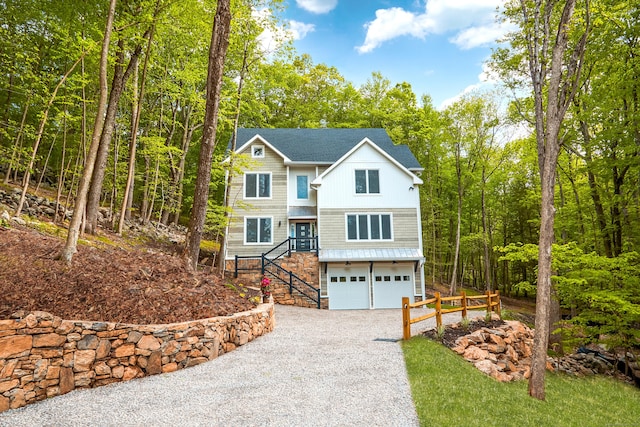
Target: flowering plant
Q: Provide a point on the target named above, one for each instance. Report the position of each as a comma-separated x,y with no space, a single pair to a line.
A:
264,286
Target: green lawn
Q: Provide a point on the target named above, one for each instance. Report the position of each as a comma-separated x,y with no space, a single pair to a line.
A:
449,391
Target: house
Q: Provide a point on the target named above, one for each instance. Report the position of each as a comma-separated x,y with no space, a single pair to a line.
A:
337,209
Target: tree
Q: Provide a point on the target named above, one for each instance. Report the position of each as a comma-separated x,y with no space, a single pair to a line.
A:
83,188
547,27
217,54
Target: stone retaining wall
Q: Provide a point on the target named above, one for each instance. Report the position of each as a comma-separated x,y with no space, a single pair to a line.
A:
42,355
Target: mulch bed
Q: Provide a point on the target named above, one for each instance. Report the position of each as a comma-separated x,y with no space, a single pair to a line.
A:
108,283
453,332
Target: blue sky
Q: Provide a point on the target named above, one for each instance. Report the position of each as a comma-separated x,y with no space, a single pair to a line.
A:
438,46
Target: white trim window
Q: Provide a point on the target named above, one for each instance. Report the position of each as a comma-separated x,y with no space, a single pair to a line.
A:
257,151
258,230
367,181
257,185
302,187
369,227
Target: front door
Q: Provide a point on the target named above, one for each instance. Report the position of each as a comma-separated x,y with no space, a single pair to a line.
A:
303,236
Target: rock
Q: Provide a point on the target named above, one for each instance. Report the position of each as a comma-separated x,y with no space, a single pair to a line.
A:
88,342
474,353
154,363
103,349
486,366
149,342
83,359
48,340
125,350
8,385
67,382
18,221
4,403
14,345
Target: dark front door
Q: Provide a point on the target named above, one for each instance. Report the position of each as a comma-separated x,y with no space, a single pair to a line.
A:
303,236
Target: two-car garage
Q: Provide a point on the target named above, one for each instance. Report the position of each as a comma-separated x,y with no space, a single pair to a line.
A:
369,285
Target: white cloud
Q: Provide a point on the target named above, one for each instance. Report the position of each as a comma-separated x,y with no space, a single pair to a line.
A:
389,24
472,21
485,35
299,30
317,6
272,38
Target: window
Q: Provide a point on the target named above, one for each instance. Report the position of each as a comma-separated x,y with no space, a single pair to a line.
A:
302,186
367,181
369,227
257,185
257,230
257,151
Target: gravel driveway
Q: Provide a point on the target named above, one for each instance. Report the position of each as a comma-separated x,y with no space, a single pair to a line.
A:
318,367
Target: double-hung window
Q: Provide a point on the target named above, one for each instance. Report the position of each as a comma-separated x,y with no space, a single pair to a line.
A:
369,227
257,185
367,181
257,230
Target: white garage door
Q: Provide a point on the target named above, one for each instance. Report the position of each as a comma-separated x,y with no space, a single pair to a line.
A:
348,287
390,284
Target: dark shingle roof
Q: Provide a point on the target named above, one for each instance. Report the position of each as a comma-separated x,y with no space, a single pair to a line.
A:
326,145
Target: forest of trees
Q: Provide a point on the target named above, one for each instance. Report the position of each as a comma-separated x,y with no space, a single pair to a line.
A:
482,188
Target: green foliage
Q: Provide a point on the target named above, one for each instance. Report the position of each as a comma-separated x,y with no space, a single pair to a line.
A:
467,397
602,293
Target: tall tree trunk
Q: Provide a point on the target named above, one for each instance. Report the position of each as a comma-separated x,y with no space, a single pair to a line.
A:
132,152
17,145
63,169
46,164
230,174
595,192
560,82
136,107
217,55
454,274
187,134
83,187
485,237
120,77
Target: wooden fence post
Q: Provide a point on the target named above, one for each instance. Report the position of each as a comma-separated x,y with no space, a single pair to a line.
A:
463,302
438,310
406,327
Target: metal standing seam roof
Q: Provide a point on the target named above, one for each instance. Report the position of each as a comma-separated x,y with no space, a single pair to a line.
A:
391,254
327,145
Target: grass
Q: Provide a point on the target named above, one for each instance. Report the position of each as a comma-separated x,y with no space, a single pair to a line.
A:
449,391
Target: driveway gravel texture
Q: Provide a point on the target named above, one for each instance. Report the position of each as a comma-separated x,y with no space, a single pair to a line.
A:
317,368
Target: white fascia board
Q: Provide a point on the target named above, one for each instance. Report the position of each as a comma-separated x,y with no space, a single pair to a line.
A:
262,140
414,177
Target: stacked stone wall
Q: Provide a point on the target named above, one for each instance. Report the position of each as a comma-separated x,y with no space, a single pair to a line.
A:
42,355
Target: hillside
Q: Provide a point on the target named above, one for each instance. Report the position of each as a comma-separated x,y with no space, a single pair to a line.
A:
109,279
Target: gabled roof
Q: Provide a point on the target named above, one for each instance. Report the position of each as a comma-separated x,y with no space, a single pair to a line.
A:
414,177
324,145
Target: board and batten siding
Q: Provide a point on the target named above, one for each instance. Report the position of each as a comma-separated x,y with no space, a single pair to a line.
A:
332,229
275,207
396,186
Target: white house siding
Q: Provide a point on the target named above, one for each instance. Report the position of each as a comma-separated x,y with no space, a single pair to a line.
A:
338,186
310,172
275,207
